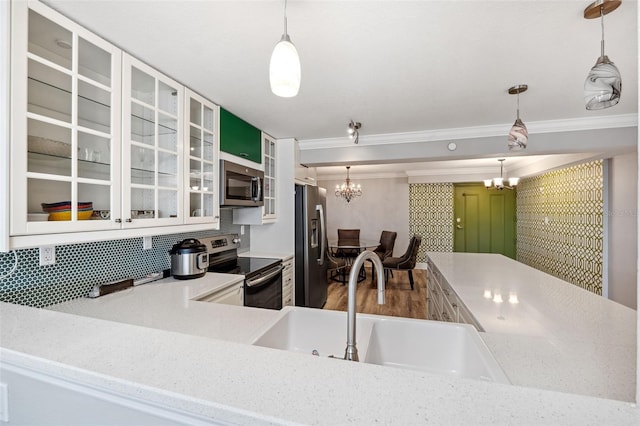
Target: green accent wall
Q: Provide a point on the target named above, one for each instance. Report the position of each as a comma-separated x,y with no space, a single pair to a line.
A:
560,224
240,138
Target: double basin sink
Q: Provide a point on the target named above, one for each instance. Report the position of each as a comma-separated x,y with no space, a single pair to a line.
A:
430,346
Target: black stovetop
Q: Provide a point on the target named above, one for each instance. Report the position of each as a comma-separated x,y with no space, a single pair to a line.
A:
247,266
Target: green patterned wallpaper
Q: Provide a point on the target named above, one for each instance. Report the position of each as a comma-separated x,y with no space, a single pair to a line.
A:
431,216
560,228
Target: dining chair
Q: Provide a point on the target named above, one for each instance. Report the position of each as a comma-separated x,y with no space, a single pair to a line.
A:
348,237
337,267
407,261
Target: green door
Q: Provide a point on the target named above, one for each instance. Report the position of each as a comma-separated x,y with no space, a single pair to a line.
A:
484,220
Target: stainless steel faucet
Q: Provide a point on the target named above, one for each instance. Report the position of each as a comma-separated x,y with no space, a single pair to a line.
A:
351,352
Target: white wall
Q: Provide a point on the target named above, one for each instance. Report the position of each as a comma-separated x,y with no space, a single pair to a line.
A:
279,237
622,218
383,206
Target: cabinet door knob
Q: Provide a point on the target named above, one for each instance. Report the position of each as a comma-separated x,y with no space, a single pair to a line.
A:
118,220
244,154
128,220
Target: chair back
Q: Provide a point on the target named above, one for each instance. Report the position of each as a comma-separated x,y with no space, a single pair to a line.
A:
409,259
349,235
387,242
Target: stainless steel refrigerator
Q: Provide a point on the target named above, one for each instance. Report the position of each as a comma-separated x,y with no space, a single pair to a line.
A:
311,241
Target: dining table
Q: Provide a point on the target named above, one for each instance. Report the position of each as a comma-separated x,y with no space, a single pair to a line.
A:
359,245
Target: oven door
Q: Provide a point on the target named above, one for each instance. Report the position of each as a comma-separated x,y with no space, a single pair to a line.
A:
265,290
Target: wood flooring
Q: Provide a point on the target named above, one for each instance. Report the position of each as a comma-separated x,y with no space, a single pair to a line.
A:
400,301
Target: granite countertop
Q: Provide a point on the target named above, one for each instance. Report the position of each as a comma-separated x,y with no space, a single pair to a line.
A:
557,336
154,343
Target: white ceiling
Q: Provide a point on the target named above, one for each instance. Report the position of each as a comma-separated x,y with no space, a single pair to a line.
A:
395,66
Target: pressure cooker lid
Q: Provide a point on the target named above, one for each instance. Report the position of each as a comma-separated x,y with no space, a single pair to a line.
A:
190,245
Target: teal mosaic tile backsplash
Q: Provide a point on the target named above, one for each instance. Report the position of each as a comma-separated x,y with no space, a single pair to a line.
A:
81,266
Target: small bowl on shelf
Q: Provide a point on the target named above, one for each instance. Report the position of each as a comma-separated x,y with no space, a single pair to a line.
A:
66,215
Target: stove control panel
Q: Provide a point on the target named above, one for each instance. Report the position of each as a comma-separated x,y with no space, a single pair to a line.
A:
219,243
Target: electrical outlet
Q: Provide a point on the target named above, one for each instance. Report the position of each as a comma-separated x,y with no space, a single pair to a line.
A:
47,255
147,243
241,229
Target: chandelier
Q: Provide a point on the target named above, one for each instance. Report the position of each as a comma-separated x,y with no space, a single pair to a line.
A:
348,190
498,182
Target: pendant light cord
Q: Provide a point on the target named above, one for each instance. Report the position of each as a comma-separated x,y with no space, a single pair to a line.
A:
517,106
285,18
601,29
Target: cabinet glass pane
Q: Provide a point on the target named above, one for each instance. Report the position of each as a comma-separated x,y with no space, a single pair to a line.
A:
94,157
49,40
207,204
49,148
143,87
207,122
142,124
195,204
142,203
167,132
167,203
99,195
207,178
94,107
167,170
167,99
207,147
195,143
142,165
46,191
49,92
195,173
94,62
195,112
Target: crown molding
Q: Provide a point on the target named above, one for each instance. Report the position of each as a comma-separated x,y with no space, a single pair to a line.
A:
550,126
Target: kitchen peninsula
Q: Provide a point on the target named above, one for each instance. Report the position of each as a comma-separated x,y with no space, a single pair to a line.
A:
193,358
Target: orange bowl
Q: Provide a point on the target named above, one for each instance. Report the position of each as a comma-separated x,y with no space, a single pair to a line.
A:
59,216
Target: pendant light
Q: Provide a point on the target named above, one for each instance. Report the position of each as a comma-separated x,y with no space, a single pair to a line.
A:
284,67
603,85
518,135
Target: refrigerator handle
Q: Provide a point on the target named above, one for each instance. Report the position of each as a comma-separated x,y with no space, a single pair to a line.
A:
323,236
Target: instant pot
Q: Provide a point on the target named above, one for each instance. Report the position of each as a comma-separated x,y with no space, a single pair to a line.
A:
189,259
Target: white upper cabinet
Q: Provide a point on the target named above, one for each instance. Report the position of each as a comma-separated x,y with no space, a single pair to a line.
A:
152,128
101,141
201,160
65,125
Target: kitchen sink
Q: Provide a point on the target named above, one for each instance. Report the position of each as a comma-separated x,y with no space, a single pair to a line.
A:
430,346
306,330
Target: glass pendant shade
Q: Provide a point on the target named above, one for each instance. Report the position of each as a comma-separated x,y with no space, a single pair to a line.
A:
518,136
284,67
603,85
513,181
488,183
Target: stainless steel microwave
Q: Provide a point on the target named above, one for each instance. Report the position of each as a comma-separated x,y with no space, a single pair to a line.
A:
240,186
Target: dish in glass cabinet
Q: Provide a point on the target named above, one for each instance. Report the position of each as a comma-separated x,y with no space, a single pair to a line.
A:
46,146
101,215
143,214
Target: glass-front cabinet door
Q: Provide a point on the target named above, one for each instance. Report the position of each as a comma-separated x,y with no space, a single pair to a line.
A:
201,160
269,162
152,126
65,152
